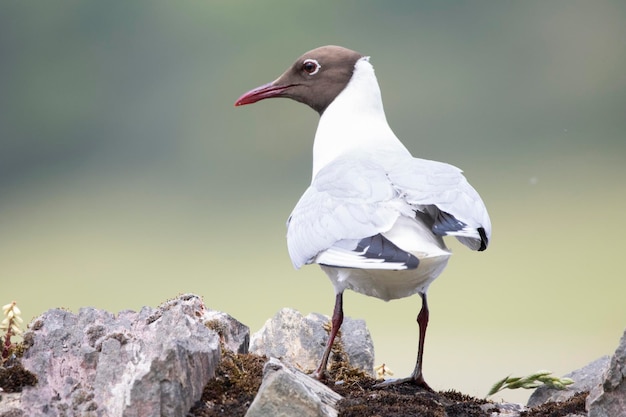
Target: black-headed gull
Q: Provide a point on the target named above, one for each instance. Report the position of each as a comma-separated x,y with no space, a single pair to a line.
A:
374,216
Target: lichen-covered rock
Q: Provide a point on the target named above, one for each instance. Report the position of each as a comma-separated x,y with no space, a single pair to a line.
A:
286,392
152,363
609,398
234,335
10,405
300,341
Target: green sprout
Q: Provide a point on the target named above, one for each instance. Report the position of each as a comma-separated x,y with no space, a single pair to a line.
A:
10,326
531,381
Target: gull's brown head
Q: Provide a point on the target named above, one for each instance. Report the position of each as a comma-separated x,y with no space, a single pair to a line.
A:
315,79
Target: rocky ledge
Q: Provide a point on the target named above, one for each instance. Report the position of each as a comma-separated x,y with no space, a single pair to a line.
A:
183,359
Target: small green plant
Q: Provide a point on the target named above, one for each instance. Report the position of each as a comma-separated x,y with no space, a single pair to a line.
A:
10,326
531,381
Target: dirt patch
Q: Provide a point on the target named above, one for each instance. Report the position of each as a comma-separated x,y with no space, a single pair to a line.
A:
14,377
363,400
574,405
230,393
239,377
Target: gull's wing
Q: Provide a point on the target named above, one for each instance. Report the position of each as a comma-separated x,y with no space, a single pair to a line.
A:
343,217
349,200
442,191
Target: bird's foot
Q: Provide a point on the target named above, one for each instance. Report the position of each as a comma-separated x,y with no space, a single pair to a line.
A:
318,375
417,381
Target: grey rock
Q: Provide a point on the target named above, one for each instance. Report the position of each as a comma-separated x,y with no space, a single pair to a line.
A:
609,398
585,379
234,335
503,409
287,392
10,405
300,341
512,410
358,344
152,363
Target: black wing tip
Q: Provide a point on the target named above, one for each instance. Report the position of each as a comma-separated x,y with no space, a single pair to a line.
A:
484,241
445,223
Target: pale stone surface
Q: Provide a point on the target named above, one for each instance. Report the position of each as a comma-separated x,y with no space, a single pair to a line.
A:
152,363
234,334
609,399
286,392
300,341
10,404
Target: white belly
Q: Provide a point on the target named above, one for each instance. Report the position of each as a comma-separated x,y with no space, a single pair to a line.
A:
388,285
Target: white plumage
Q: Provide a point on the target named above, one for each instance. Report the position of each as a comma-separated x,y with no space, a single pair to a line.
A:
365,182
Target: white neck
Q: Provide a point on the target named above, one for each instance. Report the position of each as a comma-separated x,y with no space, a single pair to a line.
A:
355,120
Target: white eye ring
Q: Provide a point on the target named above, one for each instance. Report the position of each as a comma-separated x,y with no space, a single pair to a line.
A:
316,68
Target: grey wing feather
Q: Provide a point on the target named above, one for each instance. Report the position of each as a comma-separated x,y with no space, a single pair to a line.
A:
442,191
348,200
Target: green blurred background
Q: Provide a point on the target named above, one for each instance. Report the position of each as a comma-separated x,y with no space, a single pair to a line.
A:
128,177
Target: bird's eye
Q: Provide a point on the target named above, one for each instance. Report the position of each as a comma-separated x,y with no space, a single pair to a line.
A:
311,66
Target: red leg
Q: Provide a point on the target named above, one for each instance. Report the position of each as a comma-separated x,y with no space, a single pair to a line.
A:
422,321
336,324
416,377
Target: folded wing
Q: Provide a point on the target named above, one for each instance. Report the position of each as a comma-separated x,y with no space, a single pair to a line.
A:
343,217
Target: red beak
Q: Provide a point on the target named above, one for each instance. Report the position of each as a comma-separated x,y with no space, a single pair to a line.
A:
260,93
